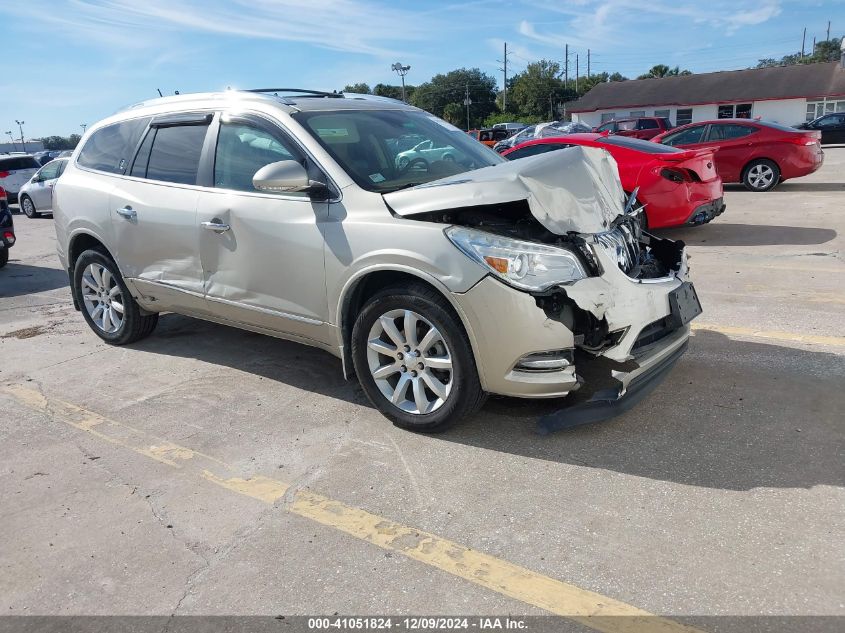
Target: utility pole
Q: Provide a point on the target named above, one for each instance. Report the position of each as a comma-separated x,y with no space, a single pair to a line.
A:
401,71
828,30
803,39
20,127
588,63
504,69
566,69
467,103
814,46
576,73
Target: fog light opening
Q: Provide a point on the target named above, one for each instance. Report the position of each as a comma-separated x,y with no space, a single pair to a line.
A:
553,360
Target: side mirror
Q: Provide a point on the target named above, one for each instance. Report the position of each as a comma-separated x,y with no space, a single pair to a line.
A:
285,175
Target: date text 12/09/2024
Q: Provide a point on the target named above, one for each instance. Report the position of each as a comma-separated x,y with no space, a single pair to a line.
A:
415,623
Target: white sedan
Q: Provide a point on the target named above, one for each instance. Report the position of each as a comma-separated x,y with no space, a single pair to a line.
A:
422,154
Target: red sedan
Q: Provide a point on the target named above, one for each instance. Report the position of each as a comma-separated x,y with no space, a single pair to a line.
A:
677,187
758,154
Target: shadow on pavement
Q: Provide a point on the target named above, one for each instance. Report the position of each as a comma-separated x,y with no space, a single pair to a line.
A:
724,234
22,279
732,415
796,186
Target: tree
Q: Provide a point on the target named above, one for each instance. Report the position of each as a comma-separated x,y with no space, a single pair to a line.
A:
825,51
60,142
538,88
442,90
662,70
394,92
360,88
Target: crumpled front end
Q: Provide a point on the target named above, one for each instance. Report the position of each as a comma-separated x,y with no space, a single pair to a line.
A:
603,340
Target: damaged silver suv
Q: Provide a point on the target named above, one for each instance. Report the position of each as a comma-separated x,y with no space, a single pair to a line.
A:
436,270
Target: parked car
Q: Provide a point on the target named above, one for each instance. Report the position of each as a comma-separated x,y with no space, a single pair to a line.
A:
674,187
759,154
46,156
7,229
288,215
559,128
523,135
36,196
15,170
65,154
492,136
423,154
831,126
645,127
511,126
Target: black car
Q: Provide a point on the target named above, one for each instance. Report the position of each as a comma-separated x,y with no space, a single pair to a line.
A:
7,228
832,127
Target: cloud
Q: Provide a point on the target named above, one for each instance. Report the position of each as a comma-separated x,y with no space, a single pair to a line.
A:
352,26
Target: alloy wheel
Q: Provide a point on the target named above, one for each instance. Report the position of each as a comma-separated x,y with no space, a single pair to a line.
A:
761,176
28,208
103,298
410,361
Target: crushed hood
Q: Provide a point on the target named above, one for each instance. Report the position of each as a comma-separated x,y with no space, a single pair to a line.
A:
575,189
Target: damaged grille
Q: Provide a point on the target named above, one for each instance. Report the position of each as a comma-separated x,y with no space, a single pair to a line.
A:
622,242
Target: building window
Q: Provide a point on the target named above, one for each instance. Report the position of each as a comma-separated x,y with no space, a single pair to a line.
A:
738,111
683,116
637,113
608,116
817,108
661,114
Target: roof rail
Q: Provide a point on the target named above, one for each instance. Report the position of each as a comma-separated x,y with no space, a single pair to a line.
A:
299,91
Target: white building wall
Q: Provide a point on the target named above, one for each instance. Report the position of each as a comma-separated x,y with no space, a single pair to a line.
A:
785,111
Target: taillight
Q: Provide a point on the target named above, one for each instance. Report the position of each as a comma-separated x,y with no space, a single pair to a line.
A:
4,174
802,140
2,194
676,174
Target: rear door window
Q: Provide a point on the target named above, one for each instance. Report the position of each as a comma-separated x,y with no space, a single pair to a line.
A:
174,154
110,149
648,124
728,131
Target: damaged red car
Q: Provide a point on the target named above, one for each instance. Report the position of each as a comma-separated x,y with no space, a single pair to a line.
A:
676,187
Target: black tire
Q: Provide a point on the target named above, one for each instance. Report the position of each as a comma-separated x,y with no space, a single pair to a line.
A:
761,175
29,209
466,395
4,257
134,325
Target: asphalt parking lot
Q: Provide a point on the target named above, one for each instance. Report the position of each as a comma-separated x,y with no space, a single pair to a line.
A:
207,470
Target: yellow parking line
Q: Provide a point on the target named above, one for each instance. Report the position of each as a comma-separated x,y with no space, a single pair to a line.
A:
589,608
728,330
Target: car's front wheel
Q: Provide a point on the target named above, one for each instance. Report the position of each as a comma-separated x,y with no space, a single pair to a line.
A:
29,208
106,303
414,359
761,175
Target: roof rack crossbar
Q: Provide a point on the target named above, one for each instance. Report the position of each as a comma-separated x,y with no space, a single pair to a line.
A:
300,91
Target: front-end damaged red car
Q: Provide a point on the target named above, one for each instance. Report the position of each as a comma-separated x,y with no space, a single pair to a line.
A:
676,187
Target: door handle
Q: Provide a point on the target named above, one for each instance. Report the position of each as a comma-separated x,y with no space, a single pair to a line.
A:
127,212
215,225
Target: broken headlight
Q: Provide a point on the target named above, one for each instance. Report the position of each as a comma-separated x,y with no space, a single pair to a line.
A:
524,265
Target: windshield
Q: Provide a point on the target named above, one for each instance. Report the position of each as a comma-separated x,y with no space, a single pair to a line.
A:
386,150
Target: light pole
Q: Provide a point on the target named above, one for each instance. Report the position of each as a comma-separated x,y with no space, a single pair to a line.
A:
20,127
83,126
12,139
401,71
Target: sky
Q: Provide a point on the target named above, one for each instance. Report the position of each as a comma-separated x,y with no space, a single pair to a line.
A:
77,61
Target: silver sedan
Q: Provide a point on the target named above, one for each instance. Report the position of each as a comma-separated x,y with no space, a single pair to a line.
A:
36,196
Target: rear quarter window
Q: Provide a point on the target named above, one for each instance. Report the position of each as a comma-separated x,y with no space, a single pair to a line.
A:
110,148
649,147
533,150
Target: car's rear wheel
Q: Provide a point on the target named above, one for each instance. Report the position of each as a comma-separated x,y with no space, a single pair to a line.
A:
106,303
761,175
28,208
414,359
